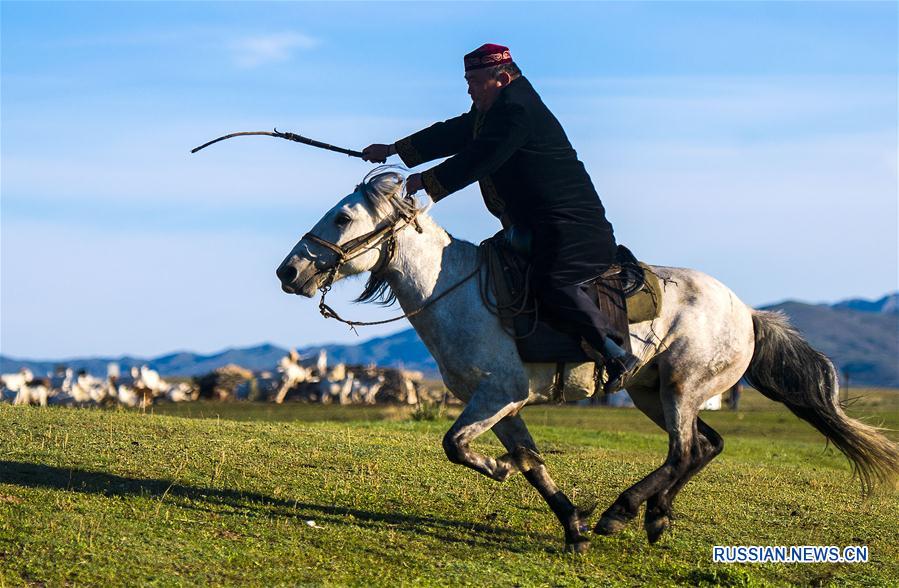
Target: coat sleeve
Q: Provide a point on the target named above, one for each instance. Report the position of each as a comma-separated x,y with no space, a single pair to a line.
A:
504,131
438,140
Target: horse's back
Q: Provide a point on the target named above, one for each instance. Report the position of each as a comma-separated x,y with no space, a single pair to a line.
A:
686,290
702,323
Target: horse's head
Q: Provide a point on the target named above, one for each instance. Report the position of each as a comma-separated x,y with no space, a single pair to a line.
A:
351,238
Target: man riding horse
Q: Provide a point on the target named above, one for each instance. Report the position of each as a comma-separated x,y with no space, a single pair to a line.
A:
531,179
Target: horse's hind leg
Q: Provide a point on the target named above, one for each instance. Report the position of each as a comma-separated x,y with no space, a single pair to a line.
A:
680,422
515,437
649,401
707,444
712,445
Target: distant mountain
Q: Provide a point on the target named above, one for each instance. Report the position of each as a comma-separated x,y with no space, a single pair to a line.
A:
184,363
403,349
889,304
92,365
860,336
260,357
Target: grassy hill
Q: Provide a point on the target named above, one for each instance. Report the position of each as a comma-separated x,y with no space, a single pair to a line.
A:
226,496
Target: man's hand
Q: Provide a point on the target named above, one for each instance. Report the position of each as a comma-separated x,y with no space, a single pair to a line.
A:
378,152
413,184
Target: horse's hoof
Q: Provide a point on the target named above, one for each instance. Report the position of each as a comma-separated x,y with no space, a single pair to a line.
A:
609,525
585,512
505,467
579,546
502,475
656,527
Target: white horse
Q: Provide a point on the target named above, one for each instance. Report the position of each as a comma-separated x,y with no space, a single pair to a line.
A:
705,340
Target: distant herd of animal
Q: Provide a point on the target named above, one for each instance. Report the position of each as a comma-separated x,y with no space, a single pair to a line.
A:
295,378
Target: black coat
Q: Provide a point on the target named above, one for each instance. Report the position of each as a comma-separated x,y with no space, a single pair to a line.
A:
529,175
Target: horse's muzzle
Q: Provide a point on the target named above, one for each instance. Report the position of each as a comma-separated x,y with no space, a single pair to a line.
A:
287,274
296,281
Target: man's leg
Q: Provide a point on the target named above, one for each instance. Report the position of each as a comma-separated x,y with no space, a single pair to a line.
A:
572,309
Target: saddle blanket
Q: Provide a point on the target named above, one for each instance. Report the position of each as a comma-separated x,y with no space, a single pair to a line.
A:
645,304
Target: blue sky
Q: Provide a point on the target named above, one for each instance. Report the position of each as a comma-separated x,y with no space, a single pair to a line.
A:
754,141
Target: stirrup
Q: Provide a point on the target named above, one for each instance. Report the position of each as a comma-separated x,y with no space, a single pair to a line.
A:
619,370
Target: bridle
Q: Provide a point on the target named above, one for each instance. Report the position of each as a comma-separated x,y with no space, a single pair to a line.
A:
361,244
352,249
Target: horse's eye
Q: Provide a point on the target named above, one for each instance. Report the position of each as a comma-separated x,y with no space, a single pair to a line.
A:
342,220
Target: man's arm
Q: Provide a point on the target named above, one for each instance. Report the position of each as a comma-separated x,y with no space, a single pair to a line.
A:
503,133
438,140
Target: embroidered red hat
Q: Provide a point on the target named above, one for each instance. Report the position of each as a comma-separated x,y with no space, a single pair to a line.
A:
487,55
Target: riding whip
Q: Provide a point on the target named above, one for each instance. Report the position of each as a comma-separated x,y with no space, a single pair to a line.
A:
289,137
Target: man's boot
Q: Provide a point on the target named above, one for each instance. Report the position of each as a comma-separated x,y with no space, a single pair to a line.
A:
619,364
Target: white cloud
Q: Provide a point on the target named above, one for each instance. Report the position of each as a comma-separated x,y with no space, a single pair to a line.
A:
250,52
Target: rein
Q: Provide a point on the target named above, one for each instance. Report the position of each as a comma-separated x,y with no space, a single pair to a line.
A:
355,247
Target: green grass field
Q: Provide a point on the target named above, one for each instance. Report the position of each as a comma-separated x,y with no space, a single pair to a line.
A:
208,493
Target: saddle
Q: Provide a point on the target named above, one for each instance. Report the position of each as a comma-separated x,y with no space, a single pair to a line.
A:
626,292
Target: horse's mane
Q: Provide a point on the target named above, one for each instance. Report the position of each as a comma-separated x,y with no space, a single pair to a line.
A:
385,193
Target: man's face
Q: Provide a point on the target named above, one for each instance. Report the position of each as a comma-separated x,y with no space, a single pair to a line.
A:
483,88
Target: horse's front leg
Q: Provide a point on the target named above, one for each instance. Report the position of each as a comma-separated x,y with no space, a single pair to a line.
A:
515,437
481,413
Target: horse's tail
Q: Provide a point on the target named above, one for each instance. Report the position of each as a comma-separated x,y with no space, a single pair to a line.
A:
787,369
